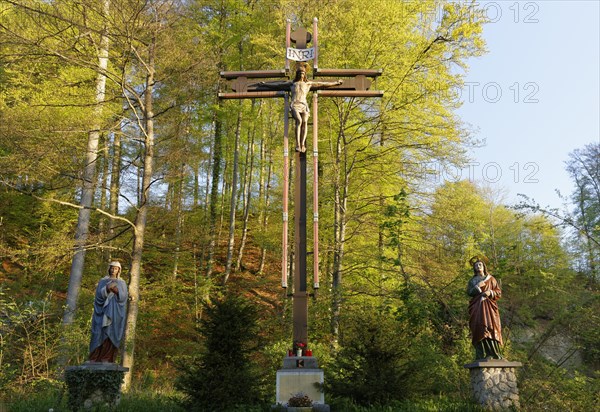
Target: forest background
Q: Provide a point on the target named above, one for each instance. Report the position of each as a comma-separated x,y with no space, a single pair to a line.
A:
113,146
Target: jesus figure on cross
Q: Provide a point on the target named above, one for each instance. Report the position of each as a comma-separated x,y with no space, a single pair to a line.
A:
299,89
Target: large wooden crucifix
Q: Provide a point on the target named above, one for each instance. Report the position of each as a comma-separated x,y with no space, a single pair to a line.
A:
276,83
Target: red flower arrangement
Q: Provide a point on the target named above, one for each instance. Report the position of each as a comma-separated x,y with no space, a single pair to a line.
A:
299,347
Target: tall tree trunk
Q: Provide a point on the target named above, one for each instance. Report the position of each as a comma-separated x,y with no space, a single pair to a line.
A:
207,191
234,183
196,294
224,193
241,198
140,221
169,200
214,192
261,191
89,175
178,204
381,237
196,192
247,197
241,195
139,164
340,201
265,211
262,154
115,177
104,201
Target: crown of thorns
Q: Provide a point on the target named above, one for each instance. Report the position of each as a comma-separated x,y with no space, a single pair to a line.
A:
302,66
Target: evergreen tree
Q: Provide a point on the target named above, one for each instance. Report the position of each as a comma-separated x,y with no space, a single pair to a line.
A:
224,374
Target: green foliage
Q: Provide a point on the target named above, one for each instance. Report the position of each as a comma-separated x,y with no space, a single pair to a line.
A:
585,326
544,386
28,343
224,374
35,236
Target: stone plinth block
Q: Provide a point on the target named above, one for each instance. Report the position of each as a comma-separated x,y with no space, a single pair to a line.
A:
494,384
300,374
293,381
94,385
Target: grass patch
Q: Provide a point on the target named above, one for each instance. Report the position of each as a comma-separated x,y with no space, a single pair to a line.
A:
430,405
130,402
56,400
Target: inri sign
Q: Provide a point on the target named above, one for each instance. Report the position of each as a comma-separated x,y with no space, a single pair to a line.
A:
300,55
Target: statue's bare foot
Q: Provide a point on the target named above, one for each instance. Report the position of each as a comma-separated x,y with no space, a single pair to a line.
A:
303,149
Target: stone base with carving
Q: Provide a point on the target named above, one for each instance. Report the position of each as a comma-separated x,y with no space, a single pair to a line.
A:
300,374
94,385
494,384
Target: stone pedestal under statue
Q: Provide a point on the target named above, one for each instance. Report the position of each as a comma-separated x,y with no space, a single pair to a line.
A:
300,374
494,384
94,385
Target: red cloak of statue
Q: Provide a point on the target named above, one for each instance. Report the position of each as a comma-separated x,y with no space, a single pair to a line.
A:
484,317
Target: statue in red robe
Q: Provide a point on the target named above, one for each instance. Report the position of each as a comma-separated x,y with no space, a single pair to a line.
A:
484,317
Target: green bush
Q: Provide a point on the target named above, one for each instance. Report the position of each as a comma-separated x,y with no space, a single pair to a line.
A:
385,359
547,387
372,367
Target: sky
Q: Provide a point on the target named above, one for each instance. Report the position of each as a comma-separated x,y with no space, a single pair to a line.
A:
533,98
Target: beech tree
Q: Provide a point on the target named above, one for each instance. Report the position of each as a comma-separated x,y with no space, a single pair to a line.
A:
60,35
89,171
584,168
583,220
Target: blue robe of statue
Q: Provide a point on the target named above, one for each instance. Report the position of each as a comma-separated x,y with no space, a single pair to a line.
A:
108,320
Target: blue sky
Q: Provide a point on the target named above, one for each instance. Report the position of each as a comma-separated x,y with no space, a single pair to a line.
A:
534,97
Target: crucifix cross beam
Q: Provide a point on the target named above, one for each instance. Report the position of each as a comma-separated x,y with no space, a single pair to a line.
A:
255,84
244,85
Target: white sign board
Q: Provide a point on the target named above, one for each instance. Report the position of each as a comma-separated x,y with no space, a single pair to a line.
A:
300,55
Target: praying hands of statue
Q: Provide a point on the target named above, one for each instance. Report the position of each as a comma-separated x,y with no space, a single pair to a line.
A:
112,287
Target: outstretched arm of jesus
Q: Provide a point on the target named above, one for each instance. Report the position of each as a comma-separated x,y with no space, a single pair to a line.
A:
319,85
276,85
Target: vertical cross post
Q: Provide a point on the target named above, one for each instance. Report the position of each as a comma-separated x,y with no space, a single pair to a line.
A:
300,302
286,190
